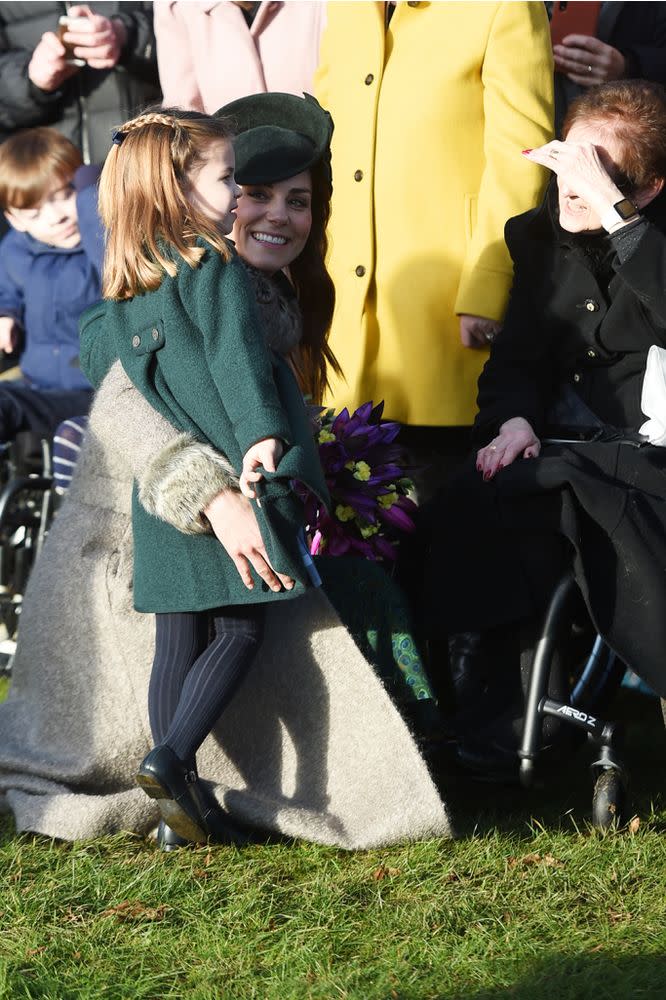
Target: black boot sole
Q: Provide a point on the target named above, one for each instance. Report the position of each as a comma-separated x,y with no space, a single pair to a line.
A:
173,814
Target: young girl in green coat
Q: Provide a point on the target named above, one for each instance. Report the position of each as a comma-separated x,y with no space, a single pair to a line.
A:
181,315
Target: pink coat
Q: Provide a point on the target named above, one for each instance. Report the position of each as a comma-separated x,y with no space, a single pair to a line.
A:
207,55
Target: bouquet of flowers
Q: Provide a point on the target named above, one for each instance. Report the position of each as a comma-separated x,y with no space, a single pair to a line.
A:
369,503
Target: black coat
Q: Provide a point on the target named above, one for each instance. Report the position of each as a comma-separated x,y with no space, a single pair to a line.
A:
92,101
587,321
577,316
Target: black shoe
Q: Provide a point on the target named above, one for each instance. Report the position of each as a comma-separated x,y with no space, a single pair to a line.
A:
468,670
187,805
164,777
168,839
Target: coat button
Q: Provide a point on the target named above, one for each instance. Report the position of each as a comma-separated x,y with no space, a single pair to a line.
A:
591,354
360,270
369,78
358,175
136,340
576,377
591,305
155,333
413,3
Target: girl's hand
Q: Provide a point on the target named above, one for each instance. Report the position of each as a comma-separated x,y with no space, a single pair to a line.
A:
232,519
579,168
267,453
587,61
516,439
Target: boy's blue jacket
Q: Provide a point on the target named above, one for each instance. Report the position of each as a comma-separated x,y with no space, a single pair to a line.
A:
46,289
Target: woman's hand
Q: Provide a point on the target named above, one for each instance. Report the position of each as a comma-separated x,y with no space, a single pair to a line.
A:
477,331
267,453
232,519
579,168
587,61
516,439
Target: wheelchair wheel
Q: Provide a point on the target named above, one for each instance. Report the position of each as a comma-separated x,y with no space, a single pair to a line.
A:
608,801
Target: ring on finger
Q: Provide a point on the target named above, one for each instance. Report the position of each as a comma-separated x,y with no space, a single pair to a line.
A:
492,447
589,69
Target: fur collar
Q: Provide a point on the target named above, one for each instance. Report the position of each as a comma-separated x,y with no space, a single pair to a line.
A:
278,309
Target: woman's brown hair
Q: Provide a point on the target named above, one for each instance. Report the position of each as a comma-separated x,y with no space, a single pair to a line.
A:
31,161
143,202
634,112
316,293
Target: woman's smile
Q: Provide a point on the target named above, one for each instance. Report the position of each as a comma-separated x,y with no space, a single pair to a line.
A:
270,238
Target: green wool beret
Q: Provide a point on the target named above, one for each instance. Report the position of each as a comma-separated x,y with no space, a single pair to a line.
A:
277,135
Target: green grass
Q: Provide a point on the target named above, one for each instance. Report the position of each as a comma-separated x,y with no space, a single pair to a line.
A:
528,903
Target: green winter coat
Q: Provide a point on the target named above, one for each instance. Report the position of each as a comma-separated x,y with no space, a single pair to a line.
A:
196,351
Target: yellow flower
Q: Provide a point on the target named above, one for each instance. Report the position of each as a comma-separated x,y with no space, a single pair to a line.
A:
351,464
369,530
325,436
345,513
362,472
386,500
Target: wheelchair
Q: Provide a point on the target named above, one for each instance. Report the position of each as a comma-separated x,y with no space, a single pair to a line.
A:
27,504
590,693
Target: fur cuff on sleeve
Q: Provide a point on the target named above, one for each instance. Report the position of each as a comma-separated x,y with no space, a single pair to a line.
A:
181,480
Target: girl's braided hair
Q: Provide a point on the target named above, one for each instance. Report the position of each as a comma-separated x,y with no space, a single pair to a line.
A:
143,202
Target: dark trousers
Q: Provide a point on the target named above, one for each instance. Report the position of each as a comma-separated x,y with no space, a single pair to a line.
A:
493,557
23,408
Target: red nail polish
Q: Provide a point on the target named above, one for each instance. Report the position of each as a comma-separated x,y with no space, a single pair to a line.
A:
487,476
527,151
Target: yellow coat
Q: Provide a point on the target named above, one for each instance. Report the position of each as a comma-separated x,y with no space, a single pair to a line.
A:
430,120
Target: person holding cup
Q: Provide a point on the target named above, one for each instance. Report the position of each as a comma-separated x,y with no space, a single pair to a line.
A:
101,68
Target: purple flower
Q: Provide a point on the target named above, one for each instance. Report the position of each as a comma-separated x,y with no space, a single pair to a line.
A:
367,482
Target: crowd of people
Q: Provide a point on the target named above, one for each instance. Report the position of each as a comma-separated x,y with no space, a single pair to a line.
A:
333,204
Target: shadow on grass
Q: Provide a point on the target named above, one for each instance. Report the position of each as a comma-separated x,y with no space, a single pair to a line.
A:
562,795
563,977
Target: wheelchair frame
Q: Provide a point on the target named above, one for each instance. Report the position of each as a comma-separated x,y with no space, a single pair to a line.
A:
27,503
608,768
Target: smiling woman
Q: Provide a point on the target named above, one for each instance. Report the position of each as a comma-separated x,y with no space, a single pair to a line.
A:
80,715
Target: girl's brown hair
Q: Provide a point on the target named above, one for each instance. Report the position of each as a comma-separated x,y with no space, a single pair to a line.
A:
143,202
634,112
316,293
31,161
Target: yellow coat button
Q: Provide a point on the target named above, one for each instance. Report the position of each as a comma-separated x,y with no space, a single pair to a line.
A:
576,377
591,354
136,341
360,270
358,175
591,305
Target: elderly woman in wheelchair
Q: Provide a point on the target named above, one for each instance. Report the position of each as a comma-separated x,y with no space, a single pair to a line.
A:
565,474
